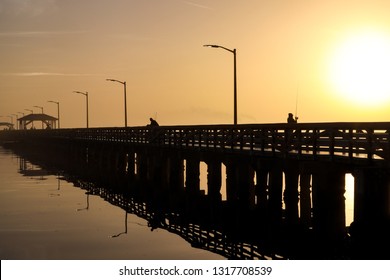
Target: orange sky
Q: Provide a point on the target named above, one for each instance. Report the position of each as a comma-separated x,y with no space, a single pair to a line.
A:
285,49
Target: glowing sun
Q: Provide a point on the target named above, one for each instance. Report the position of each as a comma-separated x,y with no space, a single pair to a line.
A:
360,68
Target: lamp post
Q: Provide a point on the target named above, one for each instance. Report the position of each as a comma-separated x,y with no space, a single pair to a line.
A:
124,89
16,120
12,120
39,107
234,52
58,111
23,116
86,97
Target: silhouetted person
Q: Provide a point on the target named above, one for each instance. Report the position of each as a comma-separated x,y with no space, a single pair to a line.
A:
154,129
153,122
289,132
291,118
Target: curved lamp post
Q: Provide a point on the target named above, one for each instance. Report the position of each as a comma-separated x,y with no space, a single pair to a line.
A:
16,120
234,52
12,119
39,107
86,98
124,89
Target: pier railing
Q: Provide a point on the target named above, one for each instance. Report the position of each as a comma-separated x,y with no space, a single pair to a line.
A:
357,142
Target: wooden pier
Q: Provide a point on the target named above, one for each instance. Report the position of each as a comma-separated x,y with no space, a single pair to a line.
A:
278,176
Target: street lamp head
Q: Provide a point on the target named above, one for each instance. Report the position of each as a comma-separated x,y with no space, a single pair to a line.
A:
114,80
211,46
222,47
84,93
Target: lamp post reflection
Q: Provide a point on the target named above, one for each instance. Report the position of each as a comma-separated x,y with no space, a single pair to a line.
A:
124,232
87,206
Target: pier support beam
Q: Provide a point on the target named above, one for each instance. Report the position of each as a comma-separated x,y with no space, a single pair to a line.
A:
329,204
261,189
192,182
240,187
214,180
131,162
275,193
245,181
371,226
291,198
175,172
305,199
142,168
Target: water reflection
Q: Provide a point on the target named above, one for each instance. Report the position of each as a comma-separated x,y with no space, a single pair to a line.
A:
87,203
32,171
195,227
39,225
123,232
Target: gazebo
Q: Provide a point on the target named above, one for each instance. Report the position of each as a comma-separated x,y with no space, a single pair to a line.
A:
47,120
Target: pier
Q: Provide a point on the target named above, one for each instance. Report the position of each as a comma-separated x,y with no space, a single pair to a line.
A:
285,183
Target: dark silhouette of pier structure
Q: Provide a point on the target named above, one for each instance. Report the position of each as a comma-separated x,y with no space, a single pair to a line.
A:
285,183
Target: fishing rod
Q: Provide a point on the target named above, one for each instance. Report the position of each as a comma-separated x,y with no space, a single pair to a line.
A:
296,103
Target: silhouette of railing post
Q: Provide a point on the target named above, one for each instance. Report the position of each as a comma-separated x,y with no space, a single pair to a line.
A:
130,165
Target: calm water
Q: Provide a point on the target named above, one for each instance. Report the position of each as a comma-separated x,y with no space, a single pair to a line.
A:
45,217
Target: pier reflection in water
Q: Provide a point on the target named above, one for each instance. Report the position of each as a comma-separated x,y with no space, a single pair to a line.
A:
40,218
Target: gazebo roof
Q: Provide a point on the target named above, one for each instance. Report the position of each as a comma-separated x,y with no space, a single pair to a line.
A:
37,117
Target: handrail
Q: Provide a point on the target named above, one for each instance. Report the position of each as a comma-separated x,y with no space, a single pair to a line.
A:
331,141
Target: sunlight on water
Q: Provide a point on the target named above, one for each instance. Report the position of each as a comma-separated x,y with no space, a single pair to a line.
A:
349,198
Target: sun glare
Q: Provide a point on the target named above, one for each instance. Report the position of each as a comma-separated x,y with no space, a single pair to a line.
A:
360,69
